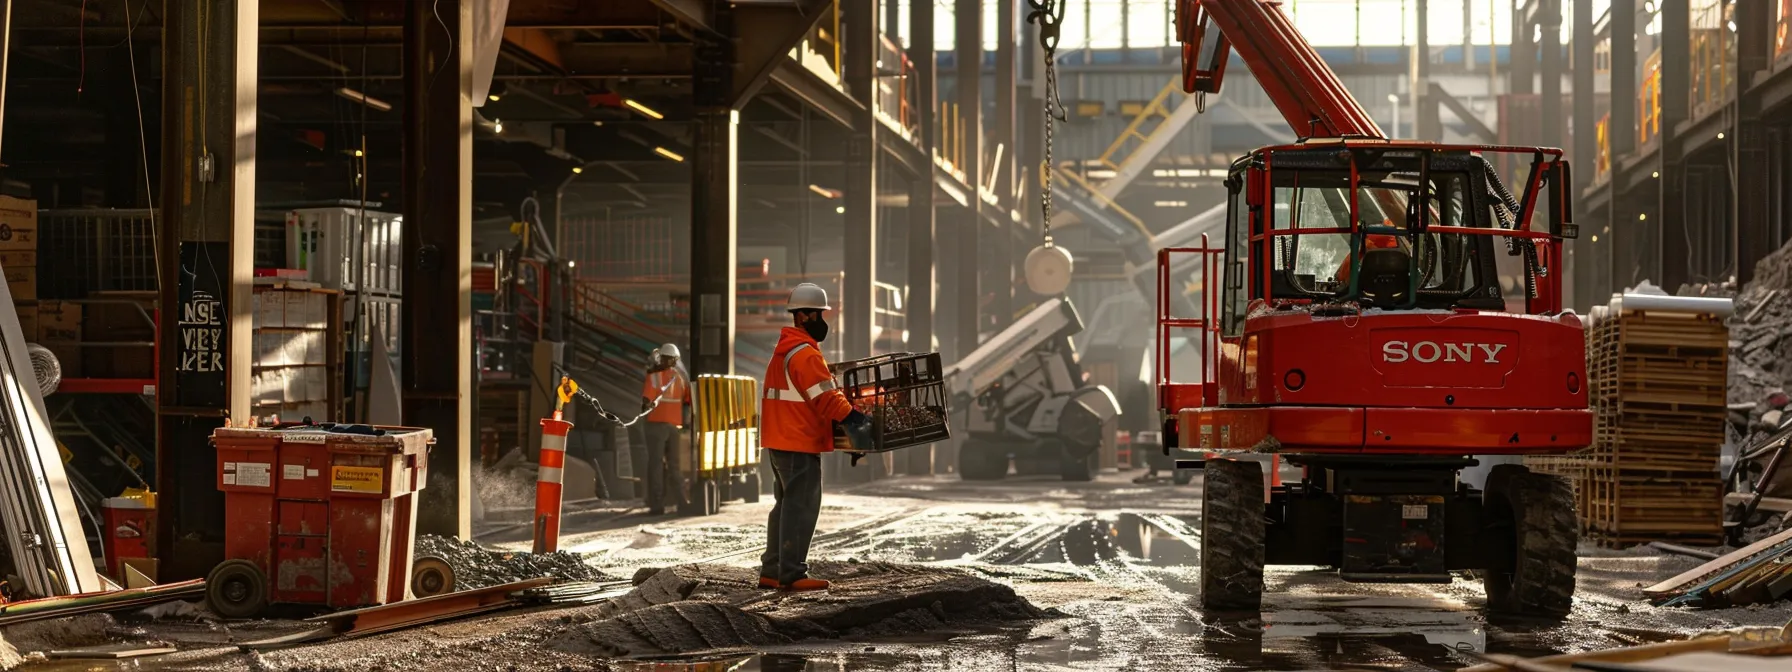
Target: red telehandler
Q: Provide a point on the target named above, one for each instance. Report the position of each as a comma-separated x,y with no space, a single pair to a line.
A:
1355,324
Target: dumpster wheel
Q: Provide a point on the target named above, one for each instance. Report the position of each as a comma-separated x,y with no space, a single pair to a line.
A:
431,576
236,589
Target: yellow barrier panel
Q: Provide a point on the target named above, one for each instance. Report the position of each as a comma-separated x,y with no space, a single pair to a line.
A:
727,419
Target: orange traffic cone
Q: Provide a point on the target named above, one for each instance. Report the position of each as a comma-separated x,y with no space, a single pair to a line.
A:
548,483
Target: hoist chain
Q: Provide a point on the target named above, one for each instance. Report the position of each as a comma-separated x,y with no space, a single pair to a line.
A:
1048,14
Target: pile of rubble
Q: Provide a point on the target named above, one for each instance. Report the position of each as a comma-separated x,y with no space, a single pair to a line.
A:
1760,351
691,608
477,567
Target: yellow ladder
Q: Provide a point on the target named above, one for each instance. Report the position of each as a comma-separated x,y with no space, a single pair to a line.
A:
1136,134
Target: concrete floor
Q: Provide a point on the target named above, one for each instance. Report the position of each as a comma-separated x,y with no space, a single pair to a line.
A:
1119,560
1122,561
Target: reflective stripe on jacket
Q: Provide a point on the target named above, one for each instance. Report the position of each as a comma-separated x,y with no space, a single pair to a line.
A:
672,392
799,412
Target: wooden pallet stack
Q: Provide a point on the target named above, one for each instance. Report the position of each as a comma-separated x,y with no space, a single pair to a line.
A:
1658,386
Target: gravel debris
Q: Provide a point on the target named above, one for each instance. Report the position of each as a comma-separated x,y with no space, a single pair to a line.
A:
477,567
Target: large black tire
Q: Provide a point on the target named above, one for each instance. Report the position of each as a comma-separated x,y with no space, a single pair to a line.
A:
236,589
712,497
1232,535
1078,469
749,493
982,462
1530,540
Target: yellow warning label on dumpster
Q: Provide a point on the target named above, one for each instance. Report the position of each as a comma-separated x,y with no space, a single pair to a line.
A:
370,480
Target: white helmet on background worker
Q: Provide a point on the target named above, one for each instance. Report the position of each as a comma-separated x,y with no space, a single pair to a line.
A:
667,350
808,296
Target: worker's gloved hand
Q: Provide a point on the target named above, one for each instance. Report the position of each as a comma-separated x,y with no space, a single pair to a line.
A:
858,431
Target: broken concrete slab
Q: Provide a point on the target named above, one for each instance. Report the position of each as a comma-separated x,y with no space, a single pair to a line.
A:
478,567
690,608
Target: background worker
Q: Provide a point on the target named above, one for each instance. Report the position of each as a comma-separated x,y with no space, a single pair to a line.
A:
663,398
802,403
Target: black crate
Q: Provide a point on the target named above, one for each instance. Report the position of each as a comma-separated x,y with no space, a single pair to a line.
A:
903,393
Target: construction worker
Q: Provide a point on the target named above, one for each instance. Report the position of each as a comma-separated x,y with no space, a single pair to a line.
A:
664,398
802,403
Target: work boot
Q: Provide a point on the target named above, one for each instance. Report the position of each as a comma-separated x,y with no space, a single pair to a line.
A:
769,583
806,584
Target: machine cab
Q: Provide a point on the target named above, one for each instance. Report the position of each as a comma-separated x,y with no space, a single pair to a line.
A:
1341,258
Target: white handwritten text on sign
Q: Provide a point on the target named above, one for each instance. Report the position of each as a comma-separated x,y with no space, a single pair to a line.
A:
201,334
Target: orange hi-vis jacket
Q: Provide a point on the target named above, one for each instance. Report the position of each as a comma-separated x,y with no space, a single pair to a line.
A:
672,392
800,411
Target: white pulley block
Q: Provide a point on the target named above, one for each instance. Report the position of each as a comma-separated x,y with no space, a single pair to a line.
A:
1048,269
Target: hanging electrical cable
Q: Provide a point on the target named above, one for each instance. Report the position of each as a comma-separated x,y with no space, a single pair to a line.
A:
1048,266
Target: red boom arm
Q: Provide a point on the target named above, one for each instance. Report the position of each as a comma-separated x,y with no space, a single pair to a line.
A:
1310,96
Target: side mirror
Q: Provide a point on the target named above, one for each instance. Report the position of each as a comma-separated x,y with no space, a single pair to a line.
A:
1254,179
1561,202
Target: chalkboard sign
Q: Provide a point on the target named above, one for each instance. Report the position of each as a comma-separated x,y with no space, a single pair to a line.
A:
201,365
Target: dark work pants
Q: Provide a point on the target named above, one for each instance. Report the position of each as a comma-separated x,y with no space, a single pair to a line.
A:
662,439
791,525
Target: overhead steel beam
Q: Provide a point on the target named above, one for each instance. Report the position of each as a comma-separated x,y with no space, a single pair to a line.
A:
206,256
1475,125
536,45
753,39
796,80
625,59
436,332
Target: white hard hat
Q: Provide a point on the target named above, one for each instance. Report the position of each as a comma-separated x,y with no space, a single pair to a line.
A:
668,350
808,296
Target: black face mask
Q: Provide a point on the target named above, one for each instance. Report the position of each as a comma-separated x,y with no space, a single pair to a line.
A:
817,328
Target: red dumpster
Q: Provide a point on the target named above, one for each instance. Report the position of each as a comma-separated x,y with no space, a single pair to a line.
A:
316,515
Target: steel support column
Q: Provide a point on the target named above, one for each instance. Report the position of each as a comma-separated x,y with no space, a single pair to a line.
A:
1550,19
715,187
921,222
1524,50
1584,252
436,376
207,243
920,304
1668,228
858,312
968,45
1621,226
1425,124
1750,186
1000,257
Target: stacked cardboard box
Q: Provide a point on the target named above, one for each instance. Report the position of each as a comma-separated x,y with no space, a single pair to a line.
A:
296,366
18,246
118,335
58,327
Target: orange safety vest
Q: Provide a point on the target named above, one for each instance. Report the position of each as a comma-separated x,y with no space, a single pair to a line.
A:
802,402
671,391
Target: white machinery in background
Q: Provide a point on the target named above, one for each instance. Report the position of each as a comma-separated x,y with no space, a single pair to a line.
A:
1026,400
